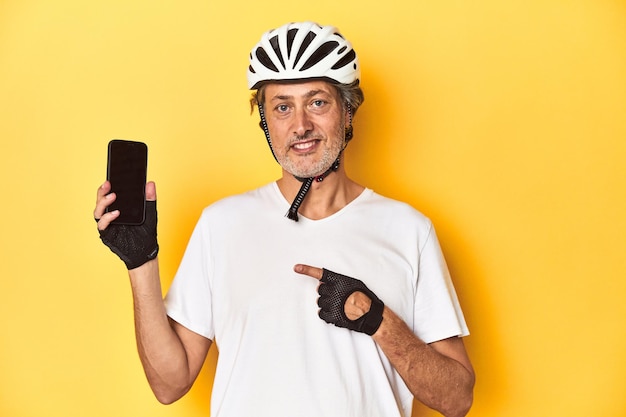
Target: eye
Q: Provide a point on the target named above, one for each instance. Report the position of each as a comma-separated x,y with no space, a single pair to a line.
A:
318,104
282,108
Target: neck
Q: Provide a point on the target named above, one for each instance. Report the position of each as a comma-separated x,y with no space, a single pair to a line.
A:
324,197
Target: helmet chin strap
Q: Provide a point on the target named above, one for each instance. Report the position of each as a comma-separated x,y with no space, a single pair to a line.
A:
304,189
263,124
306,182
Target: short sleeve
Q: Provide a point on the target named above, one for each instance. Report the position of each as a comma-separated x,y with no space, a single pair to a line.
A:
188,300
437,313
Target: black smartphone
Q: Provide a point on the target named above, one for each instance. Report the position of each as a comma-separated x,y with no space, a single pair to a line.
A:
127,165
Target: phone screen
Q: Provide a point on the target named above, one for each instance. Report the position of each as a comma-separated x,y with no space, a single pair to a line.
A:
126,171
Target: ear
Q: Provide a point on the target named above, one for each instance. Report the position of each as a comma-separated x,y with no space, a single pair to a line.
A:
349,133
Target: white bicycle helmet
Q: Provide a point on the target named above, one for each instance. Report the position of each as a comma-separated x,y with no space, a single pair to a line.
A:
299,51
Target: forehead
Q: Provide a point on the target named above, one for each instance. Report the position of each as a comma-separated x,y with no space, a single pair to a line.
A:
296,90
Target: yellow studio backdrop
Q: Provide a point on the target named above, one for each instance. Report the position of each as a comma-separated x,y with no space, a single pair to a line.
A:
503,121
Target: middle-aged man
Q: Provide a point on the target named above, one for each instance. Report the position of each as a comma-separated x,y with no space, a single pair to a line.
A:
342,307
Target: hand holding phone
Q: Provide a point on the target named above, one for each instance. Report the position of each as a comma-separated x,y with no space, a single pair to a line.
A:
127,164
134,244
133,234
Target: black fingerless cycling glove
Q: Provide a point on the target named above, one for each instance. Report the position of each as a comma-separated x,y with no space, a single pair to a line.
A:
135,245
333,293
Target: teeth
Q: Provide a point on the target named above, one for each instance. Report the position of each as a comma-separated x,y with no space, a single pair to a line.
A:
302,145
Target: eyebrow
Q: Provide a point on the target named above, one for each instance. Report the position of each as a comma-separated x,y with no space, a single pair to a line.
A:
309,94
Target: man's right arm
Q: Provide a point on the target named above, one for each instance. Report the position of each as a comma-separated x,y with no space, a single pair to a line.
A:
172,355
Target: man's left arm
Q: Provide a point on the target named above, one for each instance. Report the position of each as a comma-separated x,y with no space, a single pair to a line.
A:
438,374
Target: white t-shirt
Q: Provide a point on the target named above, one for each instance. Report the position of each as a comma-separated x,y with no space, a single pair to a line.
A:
236,286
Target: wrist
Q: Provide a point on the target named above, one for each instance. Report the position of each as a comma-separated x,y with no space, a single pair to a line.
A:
146,269
145,279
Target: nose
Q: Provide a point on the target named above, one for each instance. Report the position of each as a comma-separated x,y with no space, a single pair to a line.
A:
302,123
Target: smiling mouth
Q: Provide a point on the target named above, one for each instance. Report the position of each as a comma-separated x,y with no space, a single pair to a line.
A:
305,146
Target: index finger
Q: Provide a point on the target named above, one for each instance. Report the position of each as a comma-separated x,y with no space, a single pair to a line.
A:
309,270
103,199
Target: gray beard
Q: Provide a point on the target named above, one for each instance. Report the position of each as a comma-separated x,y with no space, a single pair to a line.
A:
325,162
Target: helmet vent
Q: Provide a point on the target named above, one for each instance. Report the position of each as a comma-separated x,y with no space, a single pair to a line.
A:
265,60
321,53
291,34
303,46
347,58
276,47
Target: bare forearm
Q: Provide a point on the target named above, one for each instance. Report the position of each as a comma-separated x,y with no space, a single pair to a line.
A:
160,349
439,381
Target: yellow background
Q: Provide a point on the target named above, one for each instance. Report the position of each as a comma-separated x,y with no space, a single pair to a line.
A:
503,121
